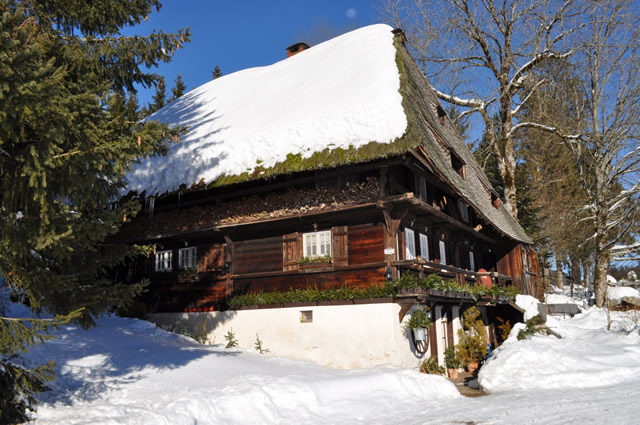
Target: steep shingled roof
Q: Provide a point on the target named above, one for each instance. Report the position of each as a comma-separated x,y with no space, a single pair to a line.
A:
354,98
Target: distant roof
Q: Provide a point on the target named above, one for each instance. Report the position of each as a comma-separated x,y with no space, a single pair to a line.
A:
340,93
354,98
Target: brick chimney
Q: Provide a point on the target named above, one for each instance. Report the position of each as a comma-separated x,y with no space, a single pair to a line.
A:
296,48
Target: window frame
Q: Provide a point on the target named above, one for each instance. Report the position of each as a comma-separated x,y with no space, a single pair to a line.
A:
192,257
317,244
424,245
409,248
443,252
464,210
159,260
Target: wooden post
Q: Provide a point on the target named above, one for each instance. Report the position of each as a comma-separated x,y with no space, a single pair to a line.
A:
391,226
228,256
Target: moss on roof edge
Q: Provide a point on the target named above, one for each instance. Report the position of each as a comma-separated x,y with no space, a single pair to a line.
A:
328,157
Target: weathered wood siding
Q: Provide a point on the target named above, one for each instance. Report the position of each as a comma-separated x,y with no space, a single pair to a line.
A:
361,278
522,264
366,243
257,255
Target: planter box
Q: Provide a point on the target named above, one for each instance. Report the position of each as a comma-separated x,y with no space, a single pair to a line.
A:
299,304
377,300
411,292
313,266
335,302
273,305
436,293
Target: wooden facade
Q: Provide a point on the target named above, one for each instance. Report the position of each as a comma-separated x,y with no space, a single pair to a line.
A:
412,222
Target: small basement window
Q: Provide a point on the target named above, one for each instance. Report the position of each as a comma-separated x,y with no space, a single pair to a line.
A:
458,164
188,258
306,316
317,244
164,261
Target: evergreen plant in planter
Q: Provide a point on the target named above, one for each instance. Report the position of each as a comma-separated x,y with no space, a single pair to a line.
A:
452,361
472,345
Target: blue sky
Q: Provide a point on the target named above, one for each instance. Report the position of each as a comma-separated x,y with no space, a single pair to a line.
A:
239,35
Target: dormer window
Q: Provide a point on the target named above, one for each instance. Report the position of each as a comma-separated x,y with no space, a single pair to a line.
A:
458,164
441,114
495,201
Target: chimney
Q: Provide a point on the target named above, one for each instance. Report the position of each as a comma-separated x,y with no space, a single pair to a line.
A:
296,48
399,34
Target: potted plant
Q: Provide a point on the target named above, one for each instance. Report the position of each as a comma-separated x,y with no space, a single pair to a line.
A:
452,361
431,366
418,324
472,340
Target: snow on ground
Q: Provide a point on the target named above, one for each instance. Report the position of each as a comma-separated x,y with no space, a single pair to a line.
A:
127,371
340,93
620,292
587,356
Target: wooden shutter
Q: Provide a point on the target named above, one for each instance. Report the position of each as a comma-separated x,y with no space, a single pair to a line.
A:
291,251
339,246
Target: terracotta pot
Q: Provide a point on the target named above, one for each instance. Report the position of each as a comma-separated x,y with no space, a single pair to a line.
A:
472,367
453,373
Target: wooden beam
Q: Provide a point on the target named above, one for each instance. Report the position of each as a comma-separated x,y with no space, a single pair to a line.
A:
410,198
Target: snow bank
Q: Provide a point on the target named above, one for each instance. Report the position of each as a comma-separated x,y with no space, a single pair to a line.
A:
529,304
340,93
620,292
126,371
587,356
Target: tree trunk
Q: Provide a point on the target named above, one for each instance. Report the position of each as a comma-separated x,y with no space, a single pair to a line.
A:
585,274
559,276
600,280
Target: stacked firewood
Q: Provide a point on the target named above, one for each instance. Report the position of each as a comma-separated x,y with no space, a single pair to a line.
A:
256,207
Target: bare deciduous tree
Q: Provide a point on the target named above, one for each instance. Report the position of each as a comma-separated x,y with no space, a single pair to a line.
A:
480,53
608,151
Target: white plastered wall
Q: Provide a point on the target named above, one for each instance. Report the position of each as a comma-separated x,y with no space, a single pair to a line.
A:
345,336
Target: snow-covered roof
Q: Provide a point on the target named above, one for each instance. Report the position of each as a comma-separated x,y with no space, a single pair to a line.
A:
359,92
337,94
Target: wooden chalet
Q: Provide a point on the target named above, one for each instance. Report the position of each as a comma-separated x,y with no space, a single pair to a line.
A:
346,217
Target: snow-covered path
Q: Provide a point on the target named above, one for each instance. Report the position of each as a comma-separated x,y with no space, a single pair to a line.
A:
127,371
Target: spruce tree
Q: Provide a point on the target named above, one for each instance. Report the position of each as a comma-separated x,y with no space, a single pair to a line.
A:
69,131
159,98
179,88
216,73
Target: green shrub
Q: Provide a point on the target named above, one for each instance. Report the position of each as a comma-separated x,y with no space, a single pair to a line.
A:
452,358
472,344
418,319
431,366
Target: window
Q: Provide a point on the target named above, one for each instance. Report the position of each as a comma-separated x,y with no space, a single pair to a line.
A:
317,244
443,252
409,244
164,261
464,210
188,258
422,188
424,246
472,263
458,164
